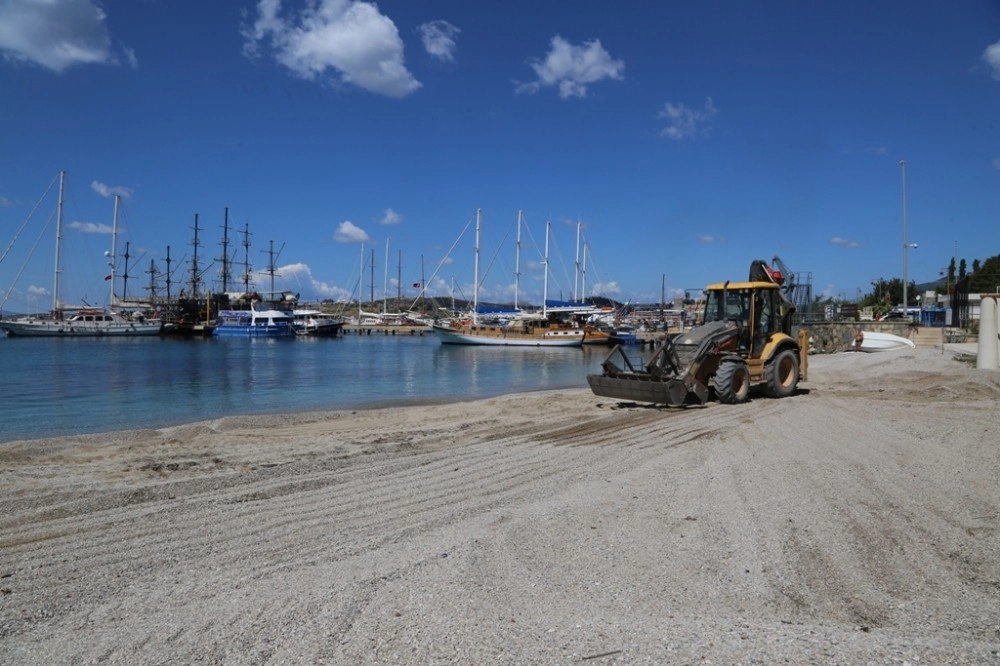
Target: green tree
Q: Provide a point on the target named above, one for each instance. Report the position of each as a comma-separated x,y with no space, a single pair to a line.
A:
886,294
986,277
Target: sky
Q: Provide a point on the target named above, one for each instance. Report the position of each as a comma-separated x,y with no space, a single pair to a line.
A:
664,145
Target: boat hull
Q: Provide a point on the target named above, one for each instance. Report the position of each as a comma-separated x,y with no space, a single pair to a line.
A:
324,330
255,331
65,329
568,338
875,341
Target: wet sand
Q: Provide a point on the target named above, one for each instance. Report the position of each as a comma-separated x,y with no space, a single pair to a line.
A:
855,522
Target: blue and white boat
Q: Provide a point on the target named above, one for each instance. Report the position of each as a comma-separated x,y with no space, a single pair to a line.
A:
624,334
266,322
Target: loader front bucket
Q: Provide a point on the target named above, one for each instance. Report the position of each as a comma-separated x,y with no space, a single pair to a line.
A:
641,387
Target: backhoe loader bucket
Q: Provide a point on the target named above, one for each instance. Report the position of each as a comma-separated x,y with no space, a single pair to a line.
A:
657,383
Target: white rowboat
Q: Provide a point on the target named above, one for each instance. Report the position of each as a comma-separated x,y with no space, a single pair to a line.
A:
879,342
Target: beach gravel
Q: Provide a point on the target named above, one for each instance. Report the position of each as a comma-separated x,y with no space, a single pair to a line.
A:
855,522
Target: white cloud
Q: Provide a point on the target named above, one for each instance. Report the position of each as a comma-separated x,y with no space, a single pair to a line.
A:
605,288
130,58
55,34
348,37
298,278
708,238
4,202
996,163
439,39
683,122
348,232
90,228
108,191
991,56
391,217
844,242
573,68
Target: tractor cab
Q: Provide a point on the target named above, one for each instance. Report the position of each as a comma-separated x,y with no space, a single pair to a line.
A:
755,307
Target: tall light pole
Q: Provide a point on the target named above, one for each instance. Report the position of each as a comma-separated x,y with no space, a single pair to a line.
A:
902,166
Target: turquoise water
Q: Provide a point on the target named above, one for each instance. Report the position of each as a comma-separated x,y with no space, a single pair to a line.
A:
53,387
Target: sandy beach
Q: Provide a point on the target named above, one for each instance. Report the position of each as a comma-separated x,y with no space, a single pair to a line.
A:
853,523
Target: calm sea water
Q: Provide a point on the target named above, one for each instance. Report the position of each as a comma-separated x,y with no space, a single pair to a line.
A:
53,387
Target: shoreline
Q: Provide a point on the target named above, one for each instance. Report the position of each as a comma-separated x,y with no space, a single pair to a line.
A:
857,521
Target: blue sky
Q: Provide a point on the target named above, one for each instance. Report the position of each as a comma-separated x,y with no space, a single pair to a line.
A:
684,139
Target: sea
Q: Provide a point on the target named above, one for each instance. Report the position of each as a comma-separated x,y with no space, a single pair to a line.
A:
67,386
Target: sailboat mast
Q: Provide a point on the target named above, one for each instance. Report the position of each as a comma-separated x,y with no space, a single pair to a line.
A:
583,281
246,258
224,274
113,261
59,220
385,281
195,277
169,274
576,275
124,276
517,260
545,279
475,286
361,280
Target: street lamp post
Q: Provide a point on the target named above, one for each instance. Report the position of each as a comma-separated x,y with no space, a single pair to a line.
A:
902,166
906,246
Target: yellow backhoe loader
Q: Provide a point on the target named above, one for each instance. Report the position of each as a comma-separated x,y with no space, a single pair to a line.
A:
745,338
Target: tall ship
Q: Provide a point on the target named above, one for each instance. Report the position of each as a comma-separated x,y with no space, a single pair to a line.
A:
66,321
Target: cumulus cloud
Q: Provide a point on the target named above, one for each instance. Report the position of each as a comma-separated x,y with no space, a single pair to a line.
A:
439,39
991,56
347,38
298,278
844,242
130,57
684,122
572,69
55,34
606,288
90,228
391,217
108,191
34,290
348,232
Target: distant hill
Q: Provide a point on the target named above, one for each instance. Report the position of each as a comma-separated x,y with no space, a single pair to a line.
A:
932,286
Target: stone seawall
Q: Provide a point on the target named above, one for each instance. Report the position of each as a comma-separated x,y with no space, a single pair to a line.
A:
832,337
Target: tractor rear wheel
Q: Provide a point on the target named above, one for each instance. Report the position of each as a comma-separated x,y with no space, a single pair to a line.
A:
732,382
781,375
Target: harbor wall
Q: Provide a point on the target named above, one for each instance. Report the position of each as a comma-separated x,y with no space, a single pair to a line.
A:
832,337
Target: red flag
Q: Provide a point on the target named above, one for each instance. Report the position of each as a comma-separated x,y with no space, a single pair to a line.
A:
416,285
107,277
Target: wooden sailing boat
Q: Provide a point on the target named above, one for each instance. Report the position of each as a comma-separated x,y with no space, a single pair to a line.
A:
85,322
521,330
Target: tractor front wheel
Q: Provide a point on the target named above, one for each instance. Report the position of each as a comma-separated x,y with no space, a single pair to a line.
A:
732,382
781,375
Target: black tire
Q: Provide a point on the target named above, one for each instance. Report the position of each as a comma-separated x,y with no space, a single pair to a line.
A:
781,375
732,382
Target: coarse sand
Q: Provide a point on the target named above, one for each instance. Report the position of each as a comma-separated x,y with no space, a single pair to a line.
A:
855,522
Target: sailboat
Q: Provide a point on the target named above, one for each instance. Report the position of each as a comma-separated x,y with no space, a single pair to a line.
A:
521,330
88,322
